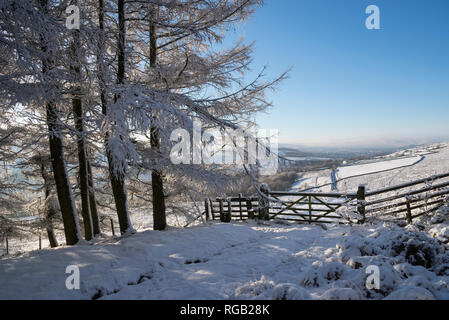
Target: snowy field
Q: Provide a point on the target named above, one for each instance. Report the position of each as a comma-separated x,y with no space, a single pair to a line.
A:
240,261
382,173
369,168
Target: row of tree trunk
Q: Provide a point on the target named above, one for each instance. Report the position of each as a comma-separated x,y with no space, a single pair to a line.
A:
89,210
162,35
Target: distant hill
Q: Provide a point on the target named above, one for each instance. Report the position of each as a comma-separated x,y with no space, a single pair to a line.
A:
291,152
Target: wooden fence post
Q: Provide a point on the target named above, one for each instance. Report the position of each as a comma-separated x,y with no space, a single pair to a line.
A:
240,206
264,204
228,216
112,226
249,208
206,208
212,211
409,211
361,202
7,244
40,241
222,217
310,209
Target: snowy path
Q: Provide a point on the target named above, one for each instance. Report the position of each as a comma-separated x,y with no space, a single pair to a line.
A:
220,274
198,263
217,261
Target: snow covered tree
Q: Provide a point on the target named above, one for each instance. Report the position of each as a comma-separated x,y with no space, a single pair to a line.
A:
32,37
119,86
77,104
181,67
112,119
65,197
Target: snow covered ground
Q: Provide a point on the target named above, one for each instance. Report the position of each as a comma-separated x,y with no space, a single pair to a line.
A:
368,168
243,260
250,260
141,218
384,172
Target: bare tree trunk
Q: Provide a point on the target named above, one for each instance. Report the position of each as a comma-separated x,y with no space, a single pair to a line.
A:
157,182
82,169
48,214
117,179
51,235
93,202
63,188
77,106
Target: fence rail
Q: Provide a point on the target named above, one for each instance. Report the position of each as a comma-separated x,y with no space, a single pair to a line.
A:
428,198
315,207
240,208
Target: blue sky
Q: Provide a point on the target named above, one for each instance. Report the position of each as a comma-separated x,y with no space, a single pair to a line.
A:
350,85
